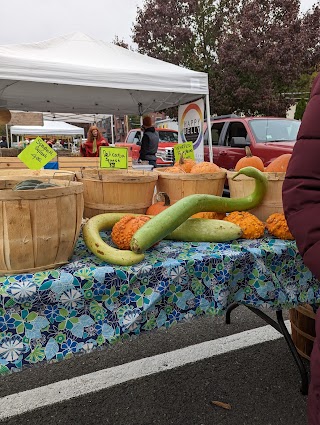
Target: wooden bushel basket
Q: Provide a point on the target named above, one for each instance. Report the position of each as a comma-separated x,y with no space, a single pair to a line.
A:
303,332
178,186
35,174
38,228
117,191
272,202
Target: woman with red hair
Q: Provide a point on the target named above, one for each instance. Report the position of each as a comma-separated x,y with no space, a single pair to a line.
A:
94,141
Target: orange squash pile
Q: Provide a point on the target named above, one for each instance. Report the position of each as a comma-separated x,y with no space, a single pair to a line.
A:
189,166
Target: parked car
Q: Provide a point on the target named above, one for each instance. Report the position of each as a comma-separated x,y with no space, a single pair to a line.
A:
267,137
168,139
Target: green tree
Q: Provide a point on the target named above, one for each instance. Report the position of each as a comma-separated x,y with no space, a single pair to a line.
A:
253,50
300,108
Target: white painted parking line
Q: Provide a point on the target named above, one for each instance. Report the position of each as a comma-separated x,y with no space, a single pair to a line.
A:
19,403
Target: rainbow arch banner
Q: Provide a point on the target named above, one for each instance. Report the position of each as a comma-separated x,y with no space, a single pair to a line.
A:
191,128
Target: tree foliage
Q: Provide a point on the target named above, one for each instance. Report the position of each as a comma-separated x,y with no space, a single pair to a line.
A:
301,106
254,51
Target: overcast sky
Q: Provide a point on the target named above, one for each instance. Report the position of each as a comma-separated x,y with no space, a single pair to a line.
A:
25,21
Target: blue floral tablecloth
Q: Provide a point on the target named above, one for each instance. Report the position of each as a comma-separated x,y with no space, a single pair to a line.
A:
51,315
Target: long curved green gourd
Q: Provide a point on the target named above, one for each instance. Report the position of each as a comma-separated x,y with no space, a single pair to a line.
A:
168,220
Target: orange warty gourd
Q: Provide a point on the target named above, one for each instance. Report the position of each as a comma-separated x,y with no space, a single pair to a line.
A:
205,168
213,215
251,226
280,164
249,161
125,228
185,164
277,226
159,205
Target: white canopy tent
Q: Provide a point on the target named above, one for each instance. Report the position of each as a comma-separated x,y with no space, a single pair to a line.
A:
75,73
49,128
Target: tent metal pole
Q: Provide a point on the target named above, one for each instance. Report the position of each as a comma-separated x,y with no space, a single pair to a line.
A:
209,127
7,136
112,133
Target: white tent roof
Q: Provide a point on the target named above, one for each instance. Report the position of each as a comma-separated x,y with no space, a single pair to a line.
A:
52,128
76,118
75,73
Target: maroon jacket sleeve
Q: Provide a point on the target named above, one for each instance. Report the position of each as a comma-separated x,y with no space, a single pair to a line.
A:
301,188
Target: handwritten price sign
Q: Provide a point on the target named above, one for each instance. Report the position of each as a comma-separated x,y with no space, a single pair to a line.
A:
37,154
185,149
115,158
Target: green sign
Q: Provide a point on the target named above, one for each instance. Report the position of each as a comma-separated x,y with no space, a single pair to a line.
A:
37,154
114,158
185,149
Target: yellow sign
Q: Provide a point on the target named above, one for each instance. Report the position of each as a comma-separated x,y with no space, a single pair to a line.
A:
111,157
37,154
185,149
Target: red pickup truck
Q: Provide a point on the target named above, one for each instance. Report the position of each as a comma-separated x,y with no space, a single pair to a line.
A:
267,137
168,138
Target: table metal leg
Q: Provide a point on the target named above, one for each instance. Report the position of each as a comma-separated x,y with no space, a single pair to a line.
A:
294,352
229,310
280,327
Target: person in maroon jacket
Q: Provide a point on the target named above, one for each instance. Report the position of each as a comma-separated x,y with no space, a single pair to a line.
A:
301,202
94,141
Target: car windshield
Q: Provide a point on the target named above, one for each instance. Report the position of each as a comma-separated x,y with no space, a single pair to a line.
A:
168,136
271,130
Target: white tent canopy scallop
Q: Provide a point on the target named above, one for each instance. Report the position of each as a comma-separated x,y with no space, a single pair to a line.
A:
49,128
76,73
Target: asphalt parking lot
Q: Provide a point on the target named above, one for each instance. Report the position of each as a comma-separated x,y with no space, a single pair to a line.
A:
259,381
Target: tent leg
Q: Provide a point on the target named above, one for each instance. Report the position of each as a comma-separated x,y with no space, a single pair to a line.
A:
209,127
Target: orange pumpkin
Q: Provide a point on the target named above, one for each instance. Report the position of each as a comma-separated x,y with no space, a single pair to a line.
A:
125,228
280,164
205,168
185,164
249,161
212,215
159,205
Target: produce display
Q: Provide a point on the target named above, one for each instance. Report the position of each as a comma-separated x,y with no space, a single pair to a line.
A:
192,230
251,226
168,220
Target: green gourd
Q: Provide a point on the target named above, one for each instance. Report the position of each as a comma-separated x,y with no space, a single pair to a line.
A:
168,220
